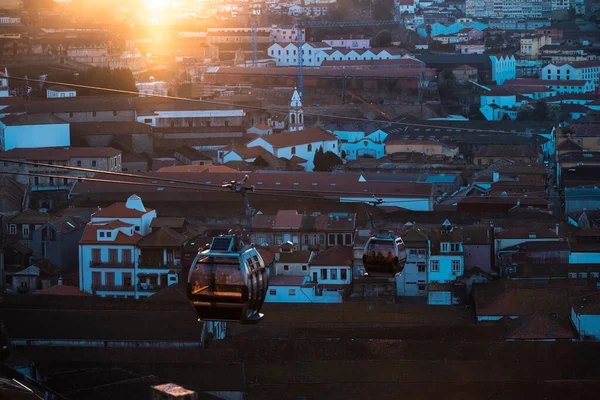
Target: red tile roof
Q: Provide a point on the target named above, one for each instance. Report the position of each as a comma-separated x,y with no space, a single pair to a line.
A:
286,280
334,256
62,290
163,237
540,326
262,127
498,150
119,210
286,219
198,168
544,82
60,153
385,73
588,304
337,184
288,139
524,233
464,67
90,234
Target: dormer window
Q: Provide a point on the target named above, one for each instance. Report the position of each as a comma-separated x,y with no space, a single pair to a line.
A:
101,233
108,234
137,228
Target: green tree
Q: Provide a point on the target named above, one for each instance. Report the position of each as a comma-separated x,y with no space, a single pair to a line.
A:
325,161
383,39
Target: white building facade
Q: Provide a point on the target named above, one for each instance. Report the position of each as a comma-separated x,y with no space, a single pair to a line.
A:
109,256
577,70
40,130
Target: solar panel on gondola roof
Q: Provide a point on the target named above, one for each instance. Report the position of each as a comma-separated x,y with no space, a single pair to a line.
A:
221,244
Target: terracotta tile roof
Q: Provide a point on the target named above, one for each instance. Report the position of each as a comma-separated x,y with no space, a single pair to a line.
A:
524,233
163,237
540,246
288,219
506,151
171,222
32,217
477,234
334,256
263,221
198,168
296,257
262,127
540,326
288,139
67,224
287,280
544,82
62,290
31,119
297,160
268,254
90,234
585,129
119,210
336,183
317,72
588,304
339,222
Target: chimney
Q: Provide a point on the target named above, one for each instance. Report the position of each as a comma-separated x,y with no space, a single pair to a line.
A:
171,391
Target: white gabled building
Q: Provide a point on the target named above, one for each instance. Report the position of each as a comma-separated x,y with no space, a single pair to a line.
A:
576,70
109,256
299,147
286,54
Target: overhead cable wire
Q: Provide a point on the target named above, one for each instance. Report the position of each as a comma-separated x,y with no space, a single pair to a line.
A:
271,109
218,186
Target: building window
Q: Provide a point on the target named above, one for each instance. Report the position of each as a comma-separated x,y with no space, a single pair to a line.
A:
322,239
113,256
70,115
455,265
101,233
93,113
286,267
126,255
309,147
435,266
331,239
51,180
96,279
304,268
343,274
25,230
272,292
333,274
93,163
347,239
126,279
96,255
421,287
115,113
108,234
79,163
421,268
109,278
292,292
137,228
13,229
324,274
293,150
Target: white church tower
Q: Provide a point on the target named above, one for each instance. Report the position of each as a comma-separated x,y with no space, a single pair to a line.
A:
296,117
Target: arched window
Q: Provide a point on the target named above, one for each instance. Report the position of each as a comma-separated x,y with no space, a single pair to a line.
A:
309,147
293,118
293,150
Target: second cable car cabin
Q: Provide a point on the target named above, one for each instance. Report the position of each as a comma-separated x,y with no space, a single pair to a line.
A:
384,255
228,282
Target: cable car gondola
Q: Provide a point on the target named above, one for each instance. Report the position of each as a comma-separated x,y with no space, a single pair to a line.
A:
384,255
228,281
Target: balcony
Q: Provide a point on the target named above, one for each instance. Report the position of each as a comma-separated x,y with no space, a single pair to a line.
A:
148,287
112,288
159,265
110,264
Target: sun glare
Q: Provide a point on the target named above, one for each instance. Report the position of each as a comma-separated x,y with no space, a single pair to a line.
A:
156,4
